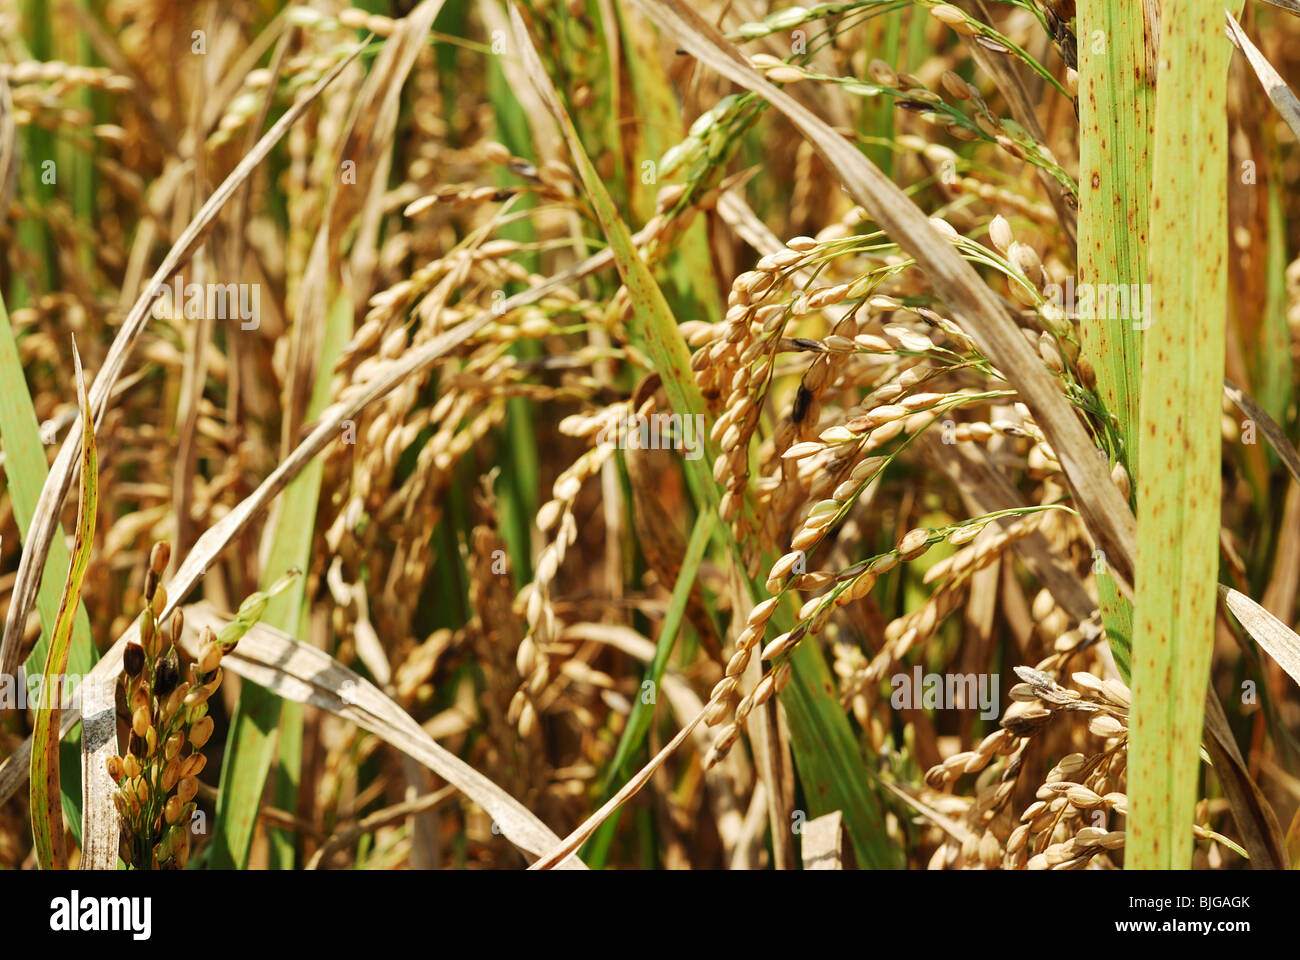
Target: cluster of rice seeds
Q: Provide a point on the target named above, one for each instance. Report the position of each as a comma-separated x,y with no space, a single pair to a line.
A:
298,73
879,423
702,156
471,405
372,523
847,586
904,633
461,431
535,659
948,167
494,632
552,182
786,485
472,271
750,335
60,77
911,94
1067,825
405,500
350,18
157,776
1014,141
1058,343
726,701
726,695
986,815
468,274
34,108
1040,458
37,87
1050,828
416,305
840,461
737,366
860,424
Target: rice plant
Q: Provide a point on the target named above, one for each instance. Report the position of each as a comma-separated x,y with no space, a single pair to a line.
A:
537,434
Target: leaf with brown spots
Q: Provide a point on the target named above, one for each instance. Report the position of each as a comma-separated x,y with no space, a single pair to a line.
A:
46,807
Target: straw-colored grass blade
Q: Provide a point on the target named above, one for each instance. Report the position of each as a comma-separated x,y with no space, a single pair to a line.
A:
1286,102
1272,431
302,673
1278,640
100,828
823,842
46,807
